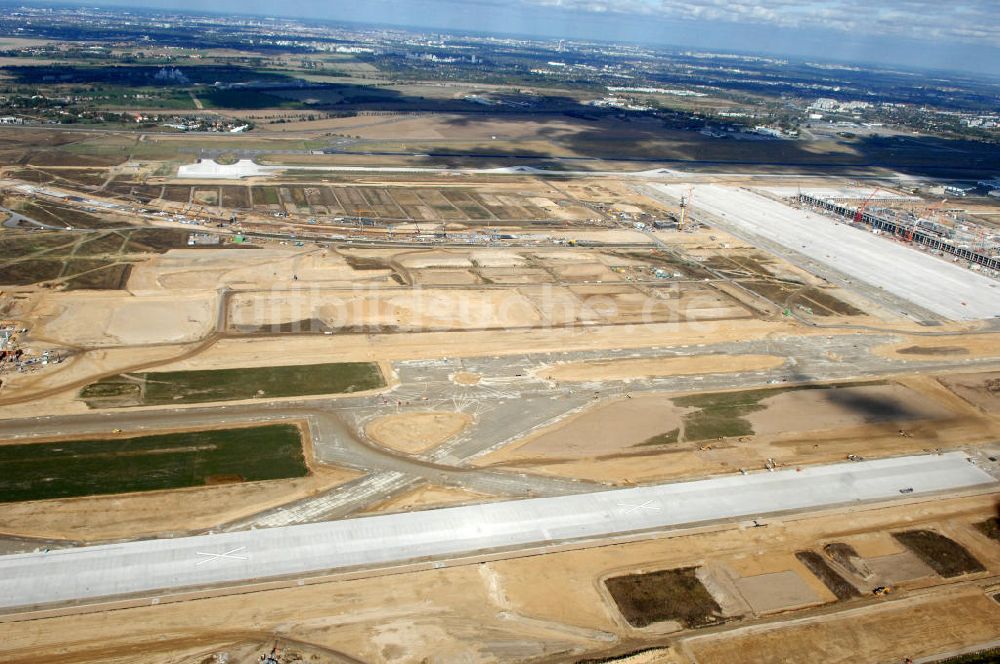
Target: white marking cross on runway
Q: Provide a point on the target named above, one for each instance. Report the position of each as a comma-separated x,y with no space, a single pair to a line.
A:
648,505
216,556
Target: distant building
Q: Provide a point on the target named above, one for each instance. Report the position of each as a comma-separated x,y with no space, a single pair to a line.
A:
825,104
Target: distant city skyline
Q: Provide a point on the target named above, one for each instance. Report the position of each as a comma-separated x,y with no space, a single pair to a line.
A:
960,36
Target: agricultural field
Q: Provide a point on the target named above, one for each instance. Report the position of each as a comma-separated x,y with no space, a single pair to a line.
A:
184,387
74,468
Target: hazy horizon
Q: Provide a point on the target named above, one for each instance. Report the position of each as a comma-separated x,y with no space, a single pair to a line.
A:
960,37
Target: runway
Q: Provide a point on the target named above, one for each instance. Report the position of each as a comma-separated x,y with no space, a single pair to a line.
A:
153,566
932,283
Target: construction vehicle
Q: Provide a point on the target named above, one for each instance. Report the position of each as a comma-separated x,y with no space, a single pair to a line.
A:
881,591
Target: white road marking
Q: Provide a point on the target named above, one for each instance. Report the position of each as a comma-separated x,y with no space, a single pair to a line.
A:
648,505
211,557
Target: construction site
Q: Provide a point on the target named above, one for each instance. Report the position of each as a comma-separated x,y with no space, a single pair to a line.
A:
259,411
930,228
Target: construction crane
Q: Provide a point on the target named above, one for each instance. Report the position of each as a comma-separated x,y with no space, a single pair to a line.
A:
929,213
859,216
685,201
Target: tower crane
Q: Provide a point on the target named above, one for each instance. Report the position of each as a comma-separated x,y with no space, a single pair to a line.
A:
859,216
685,202
929,213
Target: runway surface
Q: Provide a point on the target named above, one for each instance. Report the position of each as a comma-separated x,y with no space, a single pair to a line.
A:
933,283
148,567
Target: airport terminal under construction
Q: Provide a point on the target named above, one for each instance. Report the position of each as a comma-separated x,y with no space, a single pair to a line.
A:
973,244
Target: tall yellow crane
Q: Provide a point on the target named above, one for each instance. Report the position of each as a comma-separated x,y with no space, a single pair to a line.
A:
685,202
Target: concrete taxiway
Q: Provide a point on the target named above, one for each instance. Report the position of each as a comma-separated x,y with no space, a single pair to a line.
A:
156,566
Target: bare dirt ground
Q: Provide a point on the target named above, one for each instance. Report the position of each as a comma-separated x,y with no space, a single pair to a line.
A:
924,626
812,410
644,368
96,319
606,429
613,442
981,390
429,496
427,345
413,433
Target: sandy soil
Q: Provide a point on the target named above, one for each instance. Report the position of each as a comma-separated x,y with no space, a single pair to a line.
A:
99,319
158,513
424,309
466,378
777,591
810,410
981,390
600,430
413,433
446,277
428,496
650,368
754,566
803,427
187,270
428,345
925,626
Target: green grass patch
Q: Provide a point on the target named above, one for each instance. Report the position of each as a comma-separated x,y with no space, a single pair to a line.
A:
265,196
181,387
69,469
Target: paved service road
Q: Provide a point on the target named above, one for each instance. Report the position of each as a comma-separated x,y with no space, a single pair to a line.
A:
89,573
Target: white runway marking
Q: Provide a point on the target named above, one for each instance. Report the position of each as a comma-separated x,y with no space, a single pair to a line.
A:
212,557
648,505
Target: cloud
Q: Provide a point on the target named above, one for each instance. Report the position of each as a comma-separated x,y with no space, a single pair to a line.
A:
970,21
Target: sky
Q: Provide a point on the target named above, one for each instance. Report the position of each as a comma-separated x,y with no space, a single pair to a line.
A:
958,35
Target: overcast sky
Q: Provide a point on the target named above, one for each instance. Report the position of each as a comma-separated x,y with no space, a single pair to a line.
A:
962,34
